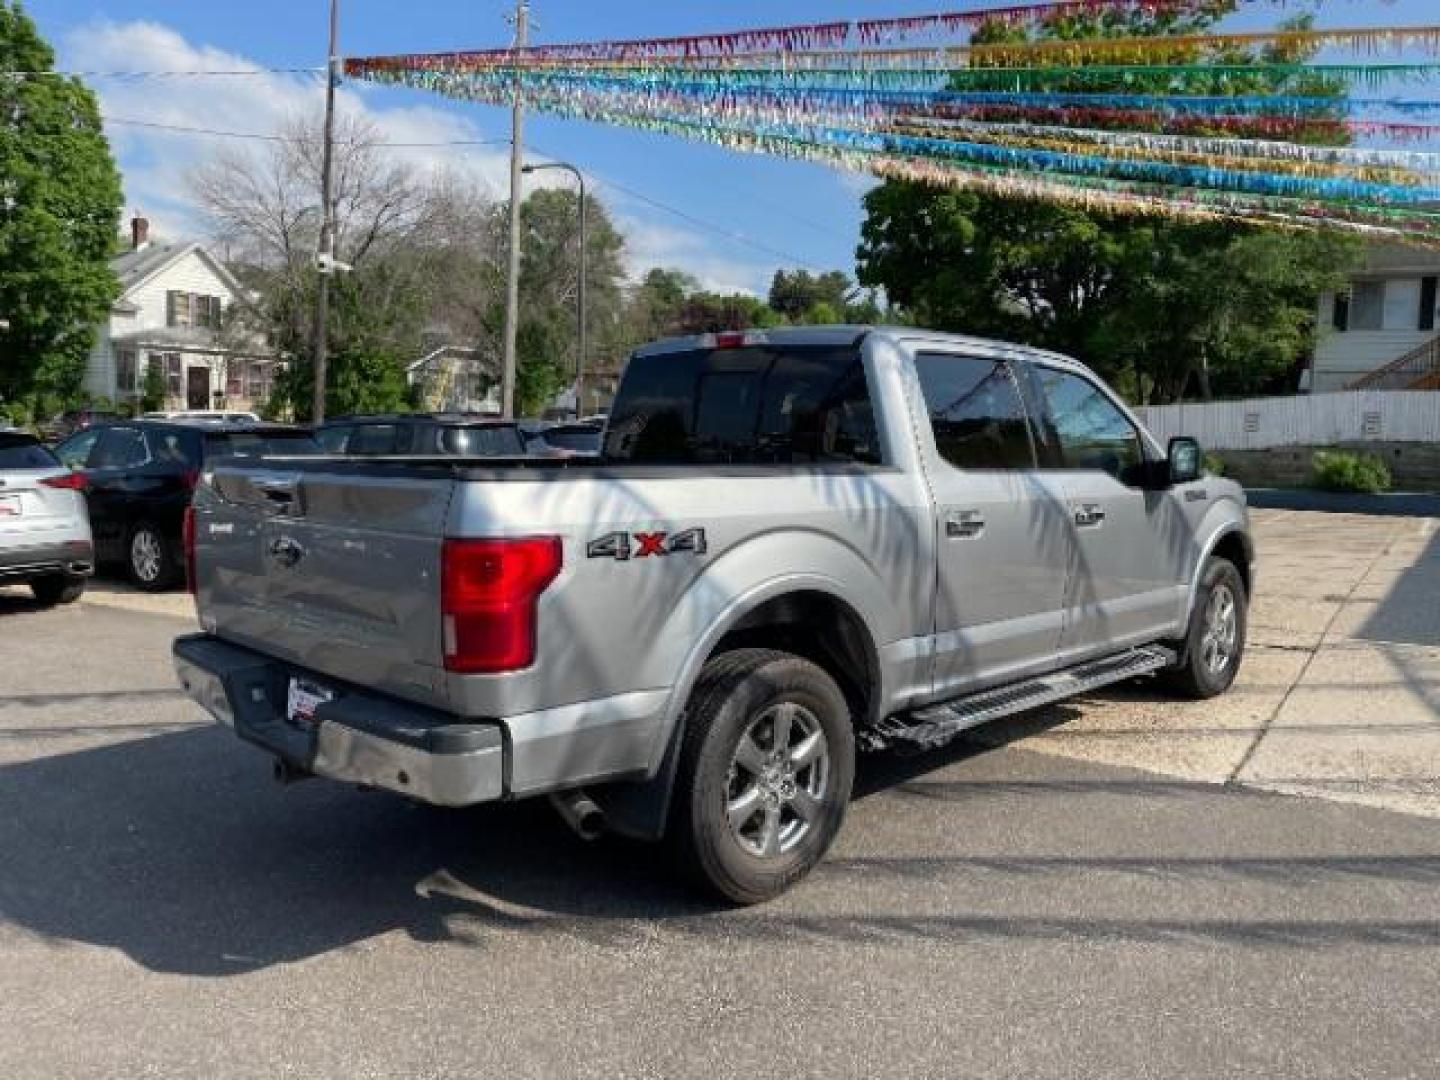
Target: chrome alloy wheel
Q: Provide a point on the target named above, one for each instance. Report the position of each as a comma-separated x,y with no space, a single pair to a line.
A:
777,781
1221,630
145,555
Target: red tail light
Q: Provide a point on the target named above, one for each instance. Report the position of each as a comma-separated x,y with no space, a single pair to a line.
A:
74,481
490,592
187,542
730,340
191,479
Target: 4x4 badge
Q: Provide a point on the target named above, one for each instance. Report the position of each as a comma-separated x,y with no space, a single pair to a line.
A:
622,546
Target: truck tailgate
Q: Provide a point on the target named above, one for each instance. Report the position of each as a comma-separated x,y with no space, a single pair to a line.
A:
333,571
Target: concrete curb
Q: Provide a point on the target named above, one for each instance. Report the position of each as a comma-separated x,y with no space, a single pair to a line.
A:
1391,504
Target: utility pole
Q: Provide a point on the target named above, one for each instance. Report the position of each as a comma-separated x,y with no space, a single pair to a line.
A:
517,148
580,332
325,260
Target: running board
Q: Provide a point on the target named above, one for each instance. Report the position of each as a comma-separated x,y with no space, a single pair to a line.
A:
936,725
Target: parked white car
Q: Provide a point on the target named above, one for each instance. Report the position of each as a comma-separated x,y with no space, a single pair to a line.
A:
45,537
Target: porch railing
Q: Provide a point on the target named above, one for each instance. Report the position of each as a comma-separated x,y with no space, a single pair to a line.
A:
1417,369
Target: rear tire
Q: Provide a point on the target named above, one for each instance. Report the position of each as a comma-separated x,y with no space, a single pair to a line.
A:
1214,644
150,561
765,773
58,589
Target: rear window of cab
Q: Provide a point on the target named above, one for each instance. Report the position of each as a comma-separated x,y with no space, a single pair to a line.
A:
755,405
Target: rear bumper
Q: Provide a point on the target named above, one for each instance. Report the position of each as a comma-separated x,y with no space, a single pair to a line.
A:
359,737
74,557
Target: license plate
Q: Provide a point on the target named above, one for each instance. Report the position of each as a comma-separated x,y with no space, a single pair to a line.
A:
303,699
9,506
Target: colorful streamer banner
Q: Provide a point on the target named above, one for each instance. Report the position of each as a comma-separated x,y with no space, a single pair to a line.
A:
1128,124
1171,48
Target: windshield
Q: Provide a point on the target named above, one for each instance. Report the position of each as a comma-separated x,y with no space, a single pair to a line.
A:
754,405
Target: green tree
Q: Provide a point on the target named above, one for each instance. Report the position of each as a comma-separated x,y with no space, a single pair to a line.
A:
794,293
548,340
1156,305
657,303
60,202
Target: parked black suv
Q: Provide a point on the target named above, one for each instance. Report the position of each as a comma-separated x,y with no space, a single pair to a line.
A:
425,434
139,476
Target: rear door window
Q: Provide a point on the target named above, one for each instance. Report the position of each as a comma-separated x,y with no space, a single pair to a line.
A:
120,448
975,412
76,451
173,447
758,405
24,452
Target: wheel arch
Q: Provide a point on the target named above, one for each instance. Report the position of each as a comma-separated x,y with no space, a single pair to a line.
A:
769,615
1231,540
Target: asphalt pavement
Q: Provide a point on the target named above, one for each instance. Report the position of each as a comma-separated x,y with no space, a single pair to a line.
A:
167,910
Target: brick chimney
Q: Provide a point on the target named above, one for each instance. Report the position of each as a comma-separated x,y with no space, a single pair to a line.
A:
139,232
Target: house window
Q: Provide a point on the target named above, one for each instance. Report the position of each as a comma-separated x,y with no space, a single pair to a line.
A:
126,372
259,382
1427,302
192,309
170,366
1367,305
235,371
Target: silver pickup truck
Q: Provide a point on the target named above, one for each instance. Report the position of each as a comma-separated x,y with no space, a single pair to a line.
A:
796,544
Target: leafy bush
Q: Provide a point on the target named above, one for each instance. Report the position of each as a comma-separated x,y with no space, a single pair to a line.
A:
152,392
1341,470
1214,464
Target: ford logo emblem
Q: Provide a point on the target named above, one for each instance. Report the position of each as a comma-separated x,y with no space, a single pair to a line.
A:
286,551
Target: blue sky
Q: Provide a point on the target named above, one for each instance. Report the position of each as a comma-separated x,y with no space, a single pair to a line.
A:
739,217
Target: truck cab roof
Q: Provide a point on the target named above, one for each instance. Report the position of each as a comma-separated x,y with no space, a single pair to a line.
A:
846,334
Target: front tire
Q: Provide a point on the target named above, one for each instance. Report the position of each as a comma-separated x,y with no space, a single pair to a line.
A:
1215,641
150,562
58,589
765,773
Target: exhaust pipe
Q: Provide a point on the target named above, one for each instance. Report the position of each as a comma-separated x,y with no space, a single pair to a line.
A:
580,813
286,774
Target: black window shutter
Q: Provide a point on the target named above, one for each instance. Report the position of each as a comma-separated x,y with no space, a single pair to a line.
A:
1427,302
1341,317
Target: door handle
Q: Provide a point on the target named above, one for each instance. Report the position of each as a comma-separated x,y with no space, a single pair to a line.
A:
964,523
1089,515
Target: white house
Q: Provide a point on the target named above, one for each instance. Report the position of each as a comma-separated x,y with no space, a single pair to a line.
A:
453,378
175,299
1383,333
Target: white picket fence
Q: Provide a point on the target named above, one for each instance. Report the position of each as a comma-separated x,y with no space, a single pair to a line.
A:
1313,420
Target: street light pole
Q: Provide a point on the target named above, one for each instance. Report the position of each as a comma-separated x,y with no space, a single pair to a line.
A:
512,285
326,259
580,335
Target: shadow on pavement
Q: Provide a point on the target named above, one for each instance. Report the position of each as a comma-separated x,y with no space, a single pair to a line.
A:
1410,612
180,852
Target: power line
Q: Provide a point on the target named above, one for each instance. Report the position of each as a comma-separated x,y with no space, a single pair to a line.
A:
730,234
719,230
181,129
193,73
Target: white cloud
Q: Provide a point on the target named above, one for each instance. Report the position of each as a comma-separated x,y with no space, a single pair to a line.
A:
650,243
155,162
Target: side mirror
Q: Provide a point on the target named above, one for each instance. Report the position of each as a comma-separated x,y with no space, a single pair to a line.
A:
1185,460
